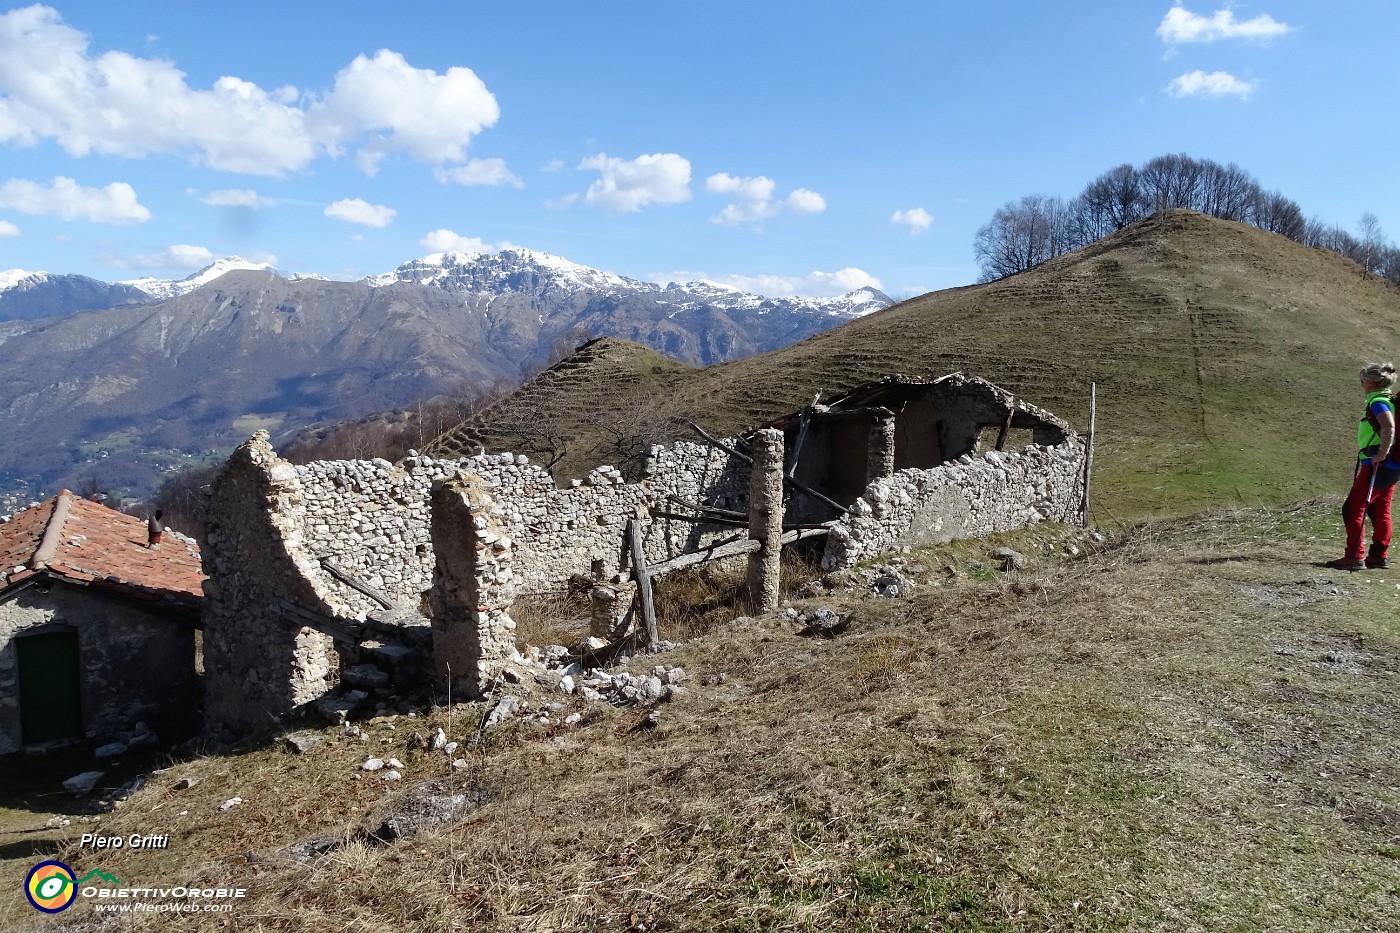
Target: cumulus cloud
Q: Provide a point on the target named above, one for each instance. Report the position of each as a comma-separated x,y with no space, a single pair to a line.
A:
917,220
812,285
181,256
625,187
114,103
430,116
8,229
1214,84
64,197
360,211
480,172
236,197
448,241
1181,26
752,199
803,201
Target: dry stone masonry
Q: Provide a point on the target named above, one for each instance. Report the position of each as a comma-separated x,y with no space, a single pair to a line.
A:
365,574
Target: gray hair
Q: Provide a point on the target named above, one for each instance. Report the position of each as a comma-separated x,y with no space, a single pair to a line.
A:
1382,374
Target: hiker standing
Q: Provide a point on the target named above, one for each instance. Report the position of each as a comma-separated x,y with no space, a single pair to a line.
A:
1376,472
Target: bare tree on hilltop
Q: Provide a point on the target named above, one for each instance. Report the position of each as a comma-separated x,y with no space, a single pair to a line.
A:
1022,234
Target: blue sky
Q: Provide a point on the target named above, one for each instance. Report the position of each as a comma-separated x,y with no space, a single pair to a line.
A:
784,147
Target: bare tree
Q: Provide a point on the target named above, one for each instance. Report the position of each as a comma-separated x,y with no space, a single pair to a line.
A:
1275,213
1021,235
1371,244
1111,202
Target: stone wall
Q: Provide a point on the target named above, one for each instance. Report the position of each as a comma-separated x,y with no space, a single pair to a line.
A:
135,664
997,491
260,567
372,518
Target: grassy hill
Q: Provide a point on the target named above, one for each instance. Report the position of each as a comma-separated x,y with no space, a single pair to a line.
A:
1190,727
1225,358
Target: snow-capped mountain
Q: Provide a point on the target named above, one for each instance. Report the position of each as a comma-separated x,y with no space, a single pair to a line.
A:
518,271
170,288
27,295
510,269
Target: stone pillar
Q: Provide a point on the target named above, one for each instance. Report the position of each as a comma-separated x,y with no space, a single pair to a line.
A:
473,586
612,610
880,454
766,519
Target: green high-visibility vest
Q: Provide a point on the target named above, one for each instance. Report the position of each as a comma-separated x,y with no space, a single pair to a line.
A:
1368,435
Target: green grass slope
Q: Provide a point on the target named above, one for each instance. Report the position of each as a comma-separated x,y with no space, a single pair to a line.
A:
1225,359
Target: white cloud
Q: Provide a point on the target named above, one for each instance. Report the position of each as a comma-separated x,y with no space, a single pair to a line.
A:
480,172
625,187
803,201
447,241
8,229
562,204
430,116
235,197
64,197
114,103
553,167
752,199
1180,26
180,256
1214,84
917,220
812,285
360,211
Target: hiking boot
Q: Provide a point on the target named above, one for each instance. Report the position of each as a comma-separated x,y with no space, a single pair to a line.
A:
1346,563
1375,559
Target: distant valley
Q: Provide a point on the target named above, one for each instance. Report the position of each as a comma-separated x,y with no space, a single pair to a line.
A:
113,384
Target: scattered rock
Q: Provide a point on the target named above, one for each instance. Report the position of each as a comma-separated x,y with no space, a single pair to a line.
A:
81,785
427,809
299,743
392,775
372,764
230,803
1010,560
185,783
505,709
823,623
438,741
110,750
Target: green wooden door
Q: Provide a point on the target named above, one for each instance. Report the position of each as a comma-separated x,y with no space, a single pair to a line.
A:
50,691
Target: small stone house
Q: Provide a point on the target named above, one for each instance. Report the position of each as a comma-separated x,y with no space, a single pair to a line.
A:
97,628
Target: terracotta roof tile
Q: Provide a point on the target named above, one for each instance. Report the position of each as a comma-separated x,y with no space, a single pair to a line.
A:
85,542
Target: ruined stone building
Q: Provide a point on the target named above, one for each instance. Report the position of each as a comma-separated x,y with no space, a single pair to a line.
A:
97,628
350,577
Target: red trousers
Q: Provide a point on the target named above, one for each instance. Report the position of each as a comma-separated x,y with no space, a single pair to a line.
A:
1356,508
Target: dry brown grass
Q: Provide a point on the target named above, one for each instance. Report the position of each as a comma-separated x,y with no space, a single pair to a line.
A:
1186,730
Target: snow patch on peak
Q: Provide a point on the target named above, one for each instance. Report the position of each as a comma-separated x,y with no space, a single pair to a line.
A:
12,278
171,288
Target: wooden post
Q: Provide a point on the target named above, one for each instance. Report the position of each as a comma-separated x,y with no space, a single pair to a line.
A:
1089,455
766,519
643,578
1006,425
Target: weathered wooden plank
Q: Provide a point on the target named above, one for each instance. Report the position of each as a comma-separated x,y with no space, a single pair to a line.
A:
643,579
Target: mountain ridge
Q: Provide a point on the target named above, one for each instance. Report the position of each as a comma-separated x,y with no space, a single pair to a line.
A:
123,392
